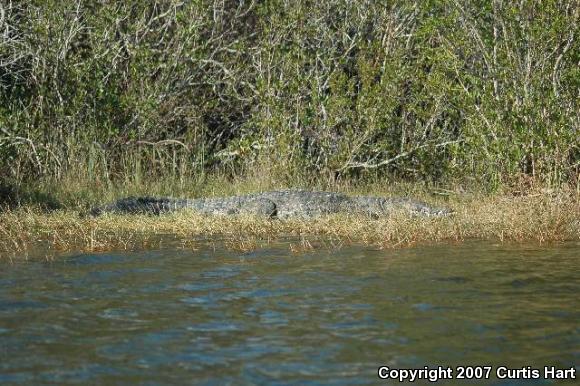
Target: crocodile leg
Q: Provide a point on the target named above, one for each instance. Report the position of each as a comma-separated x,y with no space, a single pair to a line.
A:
260,207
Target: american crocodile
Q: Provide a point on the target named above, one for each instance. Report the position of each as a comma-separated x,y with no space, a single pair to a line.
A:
277,204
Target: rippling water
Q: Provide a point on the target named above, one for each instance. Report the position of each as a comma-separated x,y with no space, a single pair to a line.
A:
215,316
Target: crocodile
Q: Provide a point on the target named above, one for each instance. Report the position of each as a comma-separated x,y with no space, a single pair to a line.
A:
284,204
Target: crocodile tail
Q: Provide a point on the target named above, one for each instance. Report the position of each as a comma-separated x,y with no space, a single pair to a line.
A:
141,205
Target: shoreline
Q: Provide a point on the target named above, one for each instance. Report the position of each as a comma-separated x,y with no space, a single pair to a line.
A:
540,217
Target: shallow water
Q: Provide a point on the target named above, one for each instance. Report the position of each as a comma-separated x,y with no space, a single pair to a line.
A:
215,316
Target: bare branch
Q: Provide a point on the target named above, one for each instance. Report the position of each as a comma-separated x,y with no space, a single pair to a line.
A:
370,165
159,143
555,82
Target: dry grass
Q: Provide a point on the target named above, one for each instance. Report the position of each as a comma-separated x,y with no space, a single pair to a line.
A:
540,217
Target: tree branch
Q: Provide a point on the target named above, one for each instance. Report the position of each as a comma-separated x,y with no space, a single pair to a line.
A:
369,165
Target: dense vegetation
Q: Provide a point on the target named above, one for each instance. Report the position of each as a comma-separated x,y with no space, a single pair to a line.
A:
298,89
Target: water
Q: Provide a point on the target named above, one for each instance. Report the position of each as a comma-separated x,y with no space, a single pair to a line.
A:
271,316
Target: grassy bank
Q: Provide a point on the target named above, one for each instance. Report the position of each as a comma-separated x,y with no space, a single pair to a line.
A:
536,216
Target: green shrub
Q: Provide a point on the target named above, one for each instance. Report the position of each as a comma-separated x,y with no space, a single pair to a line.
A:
429,90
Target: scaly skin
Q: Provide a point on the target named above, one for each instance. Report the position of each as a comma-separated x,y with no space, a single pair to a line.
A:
276,204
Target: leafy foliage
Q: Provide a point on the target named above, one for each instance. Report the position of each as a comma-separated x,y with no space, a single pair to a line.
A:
424,90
